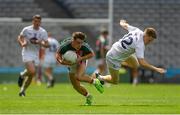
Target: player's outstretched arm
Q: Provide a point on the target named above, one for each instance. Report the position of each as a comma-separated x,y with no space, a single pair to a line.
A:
124,24
145,64
22,41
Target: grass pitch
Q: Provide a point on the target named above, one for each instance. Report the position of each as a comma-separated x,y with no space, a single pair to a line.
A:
122,98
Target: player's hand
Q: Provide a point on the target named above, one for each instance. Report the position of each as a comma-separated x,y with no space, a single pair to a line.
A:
161,70
34,41
24,43
122,22
79,59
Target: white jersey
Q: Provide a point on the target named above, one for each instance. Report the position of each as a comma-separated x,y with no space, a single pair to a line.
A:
28,33
130,43
53,46
50,59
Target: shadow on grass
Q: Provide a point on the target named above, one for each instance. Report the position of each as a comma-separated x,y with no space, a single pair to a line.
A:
125,105
147,105
94,105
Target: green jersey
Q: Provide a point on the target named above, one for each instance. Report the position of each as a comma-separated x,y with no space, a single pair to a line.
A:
101,44
65,45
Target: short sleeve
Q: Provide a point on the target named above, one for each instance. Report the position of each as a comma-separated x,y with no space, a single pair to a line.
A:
62,49
87,49
23,32
140,51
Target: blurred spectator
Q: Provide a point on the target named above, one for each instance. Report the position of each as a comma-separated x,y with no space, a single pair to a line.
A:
48,60
102,47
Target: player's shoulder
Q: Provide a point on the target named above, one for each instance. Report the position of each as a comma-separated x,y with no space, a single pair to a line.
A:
28,27
85,44
42,29
53,40
138,30
65,42
140,41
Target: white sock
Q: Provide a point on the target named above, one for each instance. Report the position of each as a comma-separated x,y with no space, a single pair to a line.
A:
22,89
101,78
135,80
23,73
87,95
94,81
50,77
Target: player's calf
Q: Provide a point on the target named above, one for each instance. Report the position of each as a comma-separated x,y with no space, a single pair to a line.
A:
20,80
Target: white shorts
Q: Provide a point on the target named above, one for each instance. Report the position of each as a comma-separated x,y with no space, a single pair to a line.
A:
73,68
49,62
31,57
113,63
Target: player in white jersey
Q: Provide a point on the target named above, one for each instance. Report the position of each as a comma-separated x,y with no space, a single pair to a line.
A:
31,39
49,61
129,51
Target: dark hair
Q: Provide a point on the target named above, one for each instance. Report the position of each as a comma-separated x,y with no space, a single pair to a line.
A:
151,32
79,35
104,31
37,16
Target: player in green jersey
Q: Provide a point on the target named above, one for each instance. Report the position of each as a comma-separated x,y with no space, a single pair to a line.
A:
77,70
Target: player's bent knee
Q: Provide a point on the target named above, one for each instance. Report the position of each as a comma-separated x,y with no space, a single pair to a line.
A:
32,72
136,66
79,78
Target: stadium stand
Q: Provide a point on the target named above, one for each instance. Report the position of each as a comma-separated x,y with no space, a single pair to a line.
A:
161,14
20,8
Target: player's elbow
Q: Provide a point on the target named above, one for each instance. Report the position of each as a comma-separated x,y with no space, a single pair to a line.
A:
92,54
18,39
58,58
